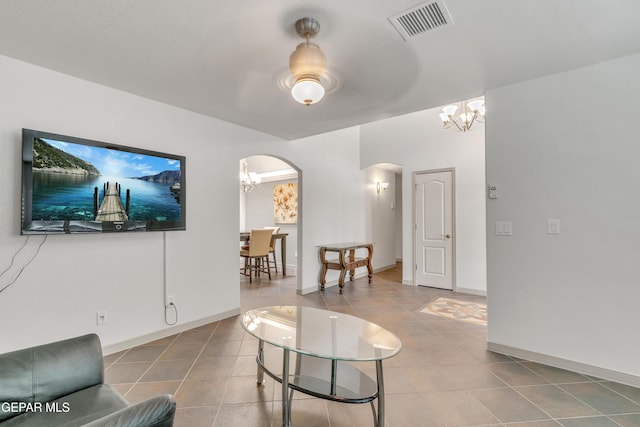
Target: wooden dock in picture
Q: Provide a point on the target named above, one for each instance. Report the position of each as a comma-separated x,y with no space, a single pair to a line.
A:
111,208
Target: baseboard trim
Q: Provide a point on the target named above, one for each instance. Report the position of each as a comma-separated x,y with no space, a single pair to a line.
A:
292,270
307,291
143,339
570,365
388,267
471,291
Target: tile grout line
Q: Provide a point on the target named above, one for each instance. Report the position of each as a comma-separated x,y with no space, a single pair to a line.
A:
554,384
153,362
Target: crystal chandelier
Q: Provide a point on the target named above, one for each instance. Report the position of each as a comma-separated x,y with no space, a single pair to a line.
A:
248,180
464,116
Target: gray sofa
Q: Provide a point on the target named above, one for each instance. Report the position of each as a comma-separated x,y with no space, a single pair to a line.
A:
62,384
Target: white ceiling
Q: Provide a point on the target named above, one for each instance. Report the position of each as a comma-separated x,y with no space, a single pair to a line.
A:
221,57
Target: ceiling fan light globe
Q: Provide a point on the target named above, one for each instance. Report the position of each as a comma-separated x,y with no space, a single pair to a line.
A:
307,91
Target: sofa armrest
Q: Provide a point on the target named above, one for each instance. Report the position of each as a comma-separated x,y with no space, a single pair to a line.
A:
46,372
158,411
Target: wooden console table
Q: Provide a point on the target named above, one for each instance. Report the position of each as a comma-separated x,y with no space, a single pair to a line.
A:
346,261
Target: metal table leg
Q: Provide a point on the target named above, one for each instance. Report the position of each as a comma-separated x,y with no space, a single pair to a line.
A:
380,420
286,408
260,374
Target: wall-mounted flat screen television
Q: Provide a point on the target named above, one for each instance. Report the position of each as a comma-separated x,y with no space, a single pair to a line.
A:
75,185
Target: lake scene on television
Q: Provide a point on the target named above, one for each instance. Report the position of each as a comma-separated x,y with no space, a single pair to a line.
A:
76,182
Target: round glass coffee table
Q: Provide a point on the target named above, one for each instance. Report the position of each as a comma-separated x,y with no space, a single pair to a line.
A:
329,347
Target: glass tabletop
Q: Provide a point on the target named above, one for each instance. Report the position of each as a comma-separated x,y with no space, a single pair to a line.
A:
321,333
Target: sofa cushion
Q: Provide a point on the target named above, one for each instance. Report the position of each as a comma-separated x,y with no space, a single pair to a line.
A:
75,409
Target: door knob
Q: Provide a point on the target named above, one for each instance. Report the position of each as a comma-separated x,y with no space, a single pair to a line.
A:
448,236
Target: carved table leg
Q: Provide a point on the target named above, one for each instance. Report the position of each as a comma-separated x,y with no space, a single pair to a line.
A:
343,273
369,267
323,271
343,269
352,257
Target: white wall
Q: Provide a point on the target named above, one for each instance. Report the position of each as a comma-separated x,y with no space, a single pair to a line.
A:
417,142
565,147
398,217
58,295
74,276
381,217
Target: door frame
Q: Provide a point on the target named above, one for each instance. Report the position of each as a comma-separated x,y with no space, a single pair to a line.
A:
414,223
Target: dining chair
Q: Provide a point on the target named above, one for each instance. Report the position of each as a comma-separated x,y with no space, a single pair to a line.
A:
256,253
272,249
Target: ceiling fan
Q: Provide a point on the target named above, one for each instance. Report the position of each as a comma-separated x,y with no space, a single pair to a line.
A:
308,79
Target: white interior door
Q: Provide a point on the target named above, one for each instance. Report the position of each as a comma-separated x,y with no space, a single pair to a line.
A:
434,229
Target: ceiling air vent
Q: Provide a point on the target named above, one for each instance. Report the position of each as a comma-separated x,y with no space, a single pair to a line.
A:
422,18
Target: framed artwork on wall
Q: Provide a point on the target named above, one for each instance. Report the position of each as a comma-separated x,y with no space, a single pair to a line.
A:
285,203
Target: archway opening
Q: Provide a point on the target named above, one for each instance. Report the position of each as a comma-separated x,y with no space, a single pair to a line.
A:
273,202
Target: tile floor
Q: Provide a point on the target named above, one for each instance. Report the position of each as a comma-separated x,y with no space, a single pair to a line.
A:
443,376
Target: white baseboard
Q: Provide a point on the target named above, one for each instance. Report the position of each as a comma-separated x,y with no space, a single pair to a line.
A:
570,365
388,267
292,270
458,289
471,291
309,290
143,339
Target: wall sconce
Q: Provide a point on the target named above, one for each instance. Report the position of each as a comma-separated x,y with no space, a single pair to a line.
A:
381,186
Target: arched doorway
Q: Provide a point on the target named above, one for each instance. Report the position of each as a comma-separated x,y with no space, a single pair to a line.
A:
275,202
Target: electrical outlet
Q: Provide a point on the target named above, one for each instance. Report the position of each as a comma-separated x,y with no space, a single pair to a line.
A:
503,228
553,226
171,299
101,318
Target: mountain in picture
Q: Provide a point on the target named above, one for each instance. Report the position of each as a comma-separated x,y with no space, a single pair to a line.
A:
47,158
167,177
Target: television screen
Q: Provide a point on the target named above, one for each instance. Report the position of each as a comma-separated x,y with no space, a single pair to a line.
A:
75,185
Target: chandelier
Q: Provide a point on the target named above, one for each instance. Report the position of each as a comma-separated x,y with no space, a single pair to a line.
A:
464,116
248,180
